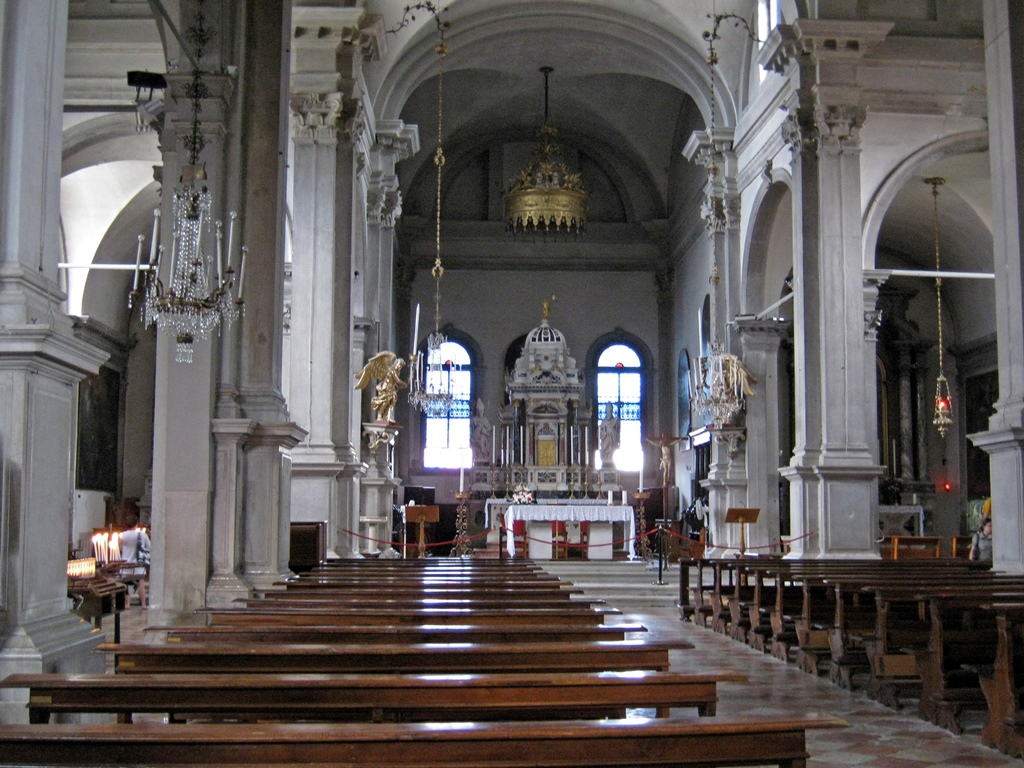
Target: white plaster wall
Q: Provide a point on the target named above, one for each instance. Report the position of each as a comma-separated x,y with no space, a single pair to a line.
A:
87,512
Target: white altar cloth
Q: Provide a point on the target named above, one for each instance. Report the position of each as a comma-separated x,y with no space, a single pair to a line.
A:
577,512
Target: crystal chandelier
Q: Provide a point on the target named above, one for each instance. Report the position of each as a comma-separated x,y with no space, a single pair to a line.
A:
196,298
546,197
717,389
942,419
429,389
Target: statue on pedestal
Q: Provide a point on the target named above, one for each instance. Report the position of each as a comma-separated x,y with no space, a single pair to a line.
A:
609,434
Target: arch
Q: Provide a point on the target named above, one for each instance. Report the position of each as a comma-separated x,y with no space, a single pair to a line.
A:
768,203
642,48
95,141
878,206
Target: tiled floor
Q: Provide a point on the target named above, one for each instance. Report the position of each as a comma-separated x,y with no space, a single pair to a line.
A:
877,737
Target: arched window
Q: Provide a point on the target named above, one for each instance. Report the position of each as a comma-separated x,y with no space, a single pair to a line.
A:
446,445
620,384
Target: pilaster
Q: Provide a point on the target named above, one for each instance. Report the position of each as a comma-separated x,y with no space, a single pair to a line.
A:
760,341
227,537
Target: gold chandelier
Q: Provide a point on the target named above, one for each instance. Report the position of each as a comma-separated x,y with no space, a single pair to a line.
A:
430,378
197,296
943,418
546,197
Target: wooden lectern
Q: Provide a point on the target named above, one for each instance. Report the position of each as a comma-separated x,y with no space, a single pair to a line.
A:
422,515
742,515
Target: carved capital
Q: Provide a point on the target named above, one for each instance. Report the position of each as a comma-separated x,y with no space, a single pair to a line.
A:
839,126
800,133
315,115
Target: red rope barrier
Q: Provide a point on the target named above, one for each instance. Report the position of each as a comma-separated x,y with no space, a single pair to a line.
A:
781,543
414,545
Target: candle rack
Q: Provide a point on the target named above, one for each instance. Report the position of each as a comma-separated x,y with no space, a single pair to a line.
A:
644,546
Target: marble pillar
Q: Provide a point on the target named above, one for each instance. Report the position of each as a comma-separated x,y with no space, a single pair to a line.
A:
267,500
41,363
1004,440
833,473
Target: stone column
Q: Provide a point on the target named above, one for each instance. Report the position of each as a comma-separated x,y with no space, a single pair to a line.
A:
40,362
267,459
1004,440
833,473
759,341
184,394
331,135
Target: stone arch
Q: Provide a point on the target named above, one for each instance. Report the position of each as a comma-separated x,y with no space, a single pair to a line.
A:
759,266
878,206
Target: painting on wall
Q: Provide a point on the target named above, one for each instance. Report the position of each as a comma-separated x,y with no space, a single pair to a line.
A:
683,389
99,406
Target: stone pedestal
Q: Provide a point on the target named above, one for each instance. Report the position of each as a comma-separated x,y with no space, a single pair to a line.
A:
377,489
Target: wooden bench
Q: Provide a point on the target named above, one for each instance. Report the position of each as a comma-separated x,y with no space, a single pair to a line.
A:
354,658
327,616
370,697
456,633
390,601
1003,682
553,744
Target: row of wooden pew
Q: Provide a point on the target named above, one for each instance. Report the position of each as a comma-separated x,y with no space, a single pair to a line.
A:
947,632
396,663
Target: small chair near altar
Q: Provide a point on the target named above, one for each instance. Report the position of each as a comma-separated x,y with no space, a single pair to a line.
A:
570,538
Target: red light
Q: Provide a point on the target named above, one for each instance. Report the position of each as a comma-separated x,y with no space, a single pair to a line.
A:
948,486
943,404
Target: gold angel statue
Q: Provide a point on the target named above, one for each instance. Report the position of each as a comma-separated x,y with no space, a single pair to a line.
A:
386,367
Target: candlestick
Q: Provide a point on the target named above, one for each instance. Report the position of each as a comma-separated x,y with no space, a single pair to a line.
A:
220,254
416,330
153,237
138,261
241,272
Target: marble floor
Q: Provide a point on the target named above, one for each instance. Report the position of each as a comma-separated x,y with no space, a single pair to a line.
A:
877,737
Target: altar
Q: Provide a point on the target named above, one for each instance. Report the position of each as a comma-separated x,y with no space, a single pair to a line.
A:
598,515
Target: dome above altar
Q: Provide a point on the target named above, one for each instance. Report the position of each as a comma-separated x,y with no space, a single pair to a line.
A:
545,361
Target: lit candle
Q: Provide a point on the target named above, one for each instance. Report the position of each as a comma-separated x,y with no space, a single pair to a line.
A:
138,261
416,330
241,272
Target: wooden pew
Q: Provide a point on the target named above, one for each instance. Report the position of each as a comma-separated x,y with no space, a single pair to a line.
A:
413,659
327,616
1003,682
635,743
390,601
455,633
370,697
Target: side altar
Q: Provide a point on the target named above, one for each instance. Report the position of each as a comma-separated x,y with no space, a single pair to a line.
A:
546,426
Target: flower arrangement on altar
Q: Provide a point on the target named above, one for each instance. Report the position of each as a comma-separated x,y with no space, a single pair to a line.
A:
521,494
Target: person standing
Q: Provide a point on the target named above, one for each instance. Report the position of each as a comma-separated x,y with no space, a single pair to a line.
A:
135,549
